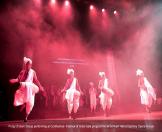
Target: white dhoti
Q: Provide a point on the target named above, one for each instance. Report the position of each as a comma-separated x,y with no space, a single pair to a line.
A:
147,94
146,98
106,94
72,96
105,101
26,94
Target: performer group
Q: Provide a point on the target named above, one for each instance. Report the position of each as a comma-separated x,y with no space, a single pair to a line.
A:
29,86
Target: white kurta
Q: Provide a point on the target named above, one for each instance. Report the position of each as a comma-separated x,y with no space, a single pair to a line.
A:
147,93
106,95
26,92
72,96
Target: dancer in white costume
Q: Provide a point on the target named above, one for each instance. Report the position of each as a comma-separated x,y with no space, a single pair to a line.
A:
106,93
72,94
147,92
92,93
25,95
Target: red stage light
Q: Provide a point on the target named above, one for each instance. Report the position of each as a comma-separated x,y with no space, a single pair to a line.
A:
53,1
115,12
67,3
91,7
103,10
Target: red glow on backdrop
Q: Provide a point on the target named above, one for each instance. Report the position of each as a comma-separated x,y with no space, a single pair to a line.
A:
67,6
53,6
92,11
66,12
98,19
37,2
105,20
93,17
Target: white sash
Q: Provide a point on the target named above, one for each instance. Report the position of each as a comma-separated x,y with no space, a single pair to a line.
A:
70,92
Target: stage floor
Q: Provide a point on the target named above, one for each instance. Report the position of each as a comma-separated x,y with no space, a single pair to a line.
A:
123,122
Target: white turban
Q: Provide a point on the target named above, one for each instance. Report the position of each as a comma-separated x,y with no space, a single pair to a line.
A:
139,72
27,60
70,70
101,74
